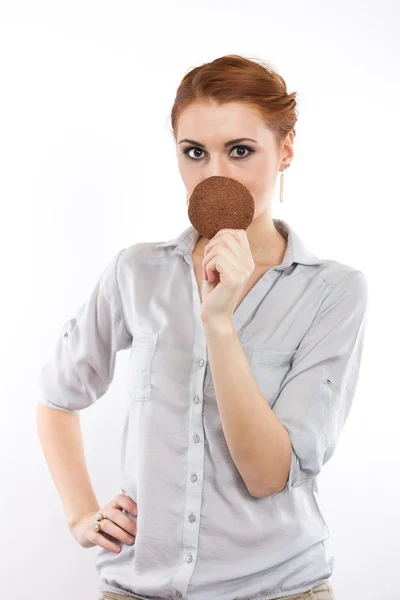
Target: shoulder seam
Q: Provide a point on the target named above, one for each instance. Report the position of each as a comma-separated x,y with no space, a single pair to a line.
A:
340,280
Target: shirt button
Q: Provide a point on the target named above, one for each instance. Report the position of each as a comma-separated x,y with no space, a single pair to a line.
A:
193,477
329,380
202,362
178,594
192,518
65,334
196,400
196,438
189,558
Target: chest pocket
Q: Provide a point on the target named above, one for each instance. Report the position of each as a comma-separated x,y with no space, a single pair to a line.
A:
139,365
269,368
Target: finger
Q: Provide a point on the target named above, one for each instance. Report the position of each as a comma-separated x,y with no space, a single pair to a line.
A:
100,540
112,529
212,261
119,518
227,247
229,276
238,234
207,274
230,241
212,272
210,269
126,502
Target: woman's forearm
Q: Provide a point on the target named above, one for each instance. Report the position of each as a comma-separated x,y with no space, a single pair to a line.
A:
258,443
61,440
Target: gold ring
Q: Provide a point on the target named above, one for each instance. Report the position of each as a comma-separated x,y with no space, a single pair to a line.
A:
96,525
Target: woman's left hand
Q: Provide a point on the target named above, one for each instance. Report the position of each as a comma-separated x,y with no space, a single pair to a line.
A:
227,266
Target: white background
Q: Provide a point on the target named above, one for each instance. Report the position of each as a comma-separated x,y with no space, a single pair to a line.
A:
88,166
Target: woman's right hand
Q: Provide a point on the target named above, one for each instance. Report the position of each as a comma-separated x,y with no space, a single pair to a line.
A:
116,524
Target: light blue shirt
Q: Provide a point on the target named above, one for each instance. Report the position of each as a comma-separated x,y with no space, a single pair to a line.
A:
200,534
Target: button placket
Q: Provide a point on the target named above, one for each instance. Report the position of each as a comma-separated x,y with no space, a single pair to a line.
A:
195,456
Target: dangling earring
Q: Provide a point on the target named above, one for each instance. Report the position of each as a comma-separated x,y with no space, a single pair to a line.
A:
281,184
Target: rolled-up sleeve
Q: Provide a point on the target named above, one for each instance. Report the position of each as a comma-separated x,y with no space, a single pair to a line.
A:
82,363
317,394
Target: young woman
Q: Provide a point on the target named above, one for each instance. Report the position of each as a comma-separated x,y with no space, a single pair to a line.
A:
245,355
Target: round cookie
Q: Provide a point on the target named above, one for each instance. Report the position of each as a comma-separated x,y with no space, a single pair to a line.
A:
220,203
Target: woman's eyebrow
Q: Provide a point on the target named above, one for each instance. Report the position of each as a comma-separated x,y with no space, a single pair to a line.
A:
226,144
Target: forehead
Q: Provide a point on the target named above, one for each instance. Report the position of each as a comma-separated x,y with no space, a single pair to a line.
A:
226,121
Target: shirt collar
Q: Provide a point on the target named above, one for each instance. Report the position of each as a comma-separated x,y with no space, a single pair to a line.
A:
296,251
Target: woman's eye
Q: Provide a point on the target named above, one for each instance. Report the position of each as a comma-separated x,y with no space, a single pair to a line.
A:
242,148
187,150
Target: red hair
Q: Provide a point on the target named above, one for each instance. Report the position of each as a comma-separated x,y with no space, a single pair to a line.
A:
233,78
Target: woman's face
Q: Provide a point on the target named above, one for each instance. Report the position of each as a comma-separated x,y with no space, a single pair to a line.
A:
211,150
